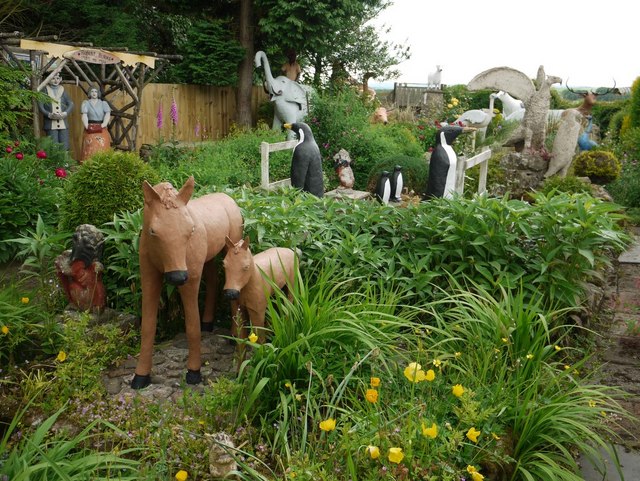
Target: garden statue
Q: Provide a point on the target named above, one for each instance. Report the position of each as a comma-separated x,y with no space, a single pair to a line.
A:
342,166
56,111
289,98
383,187
434,80
564,144
530,134
306,162
95,118
291,68
80,271
180,238
443,163
250,280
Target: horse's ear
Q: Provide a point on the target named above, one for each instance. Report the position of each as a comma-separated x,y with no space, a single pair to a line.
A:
186,190
245,244
228,242
150,195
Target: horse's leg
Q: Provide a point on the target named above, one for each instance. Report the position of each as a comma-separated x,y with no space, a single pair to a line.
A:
189,295
210,273
151,286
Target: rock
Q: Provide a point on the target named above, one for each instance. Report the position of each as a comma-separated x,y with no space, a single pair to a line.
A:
221,462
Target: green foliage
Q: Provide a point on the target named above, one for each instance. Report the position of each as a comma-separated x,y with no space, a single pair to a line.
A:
600,166
425,131
46,453
625,190
210,55
30,188
15,100
569,184
107,183
415,172
634,107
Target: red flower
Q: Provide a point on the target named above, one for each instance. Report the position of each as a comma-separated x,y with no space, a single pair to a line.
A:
41,154
16,143
60,172
19,156
9,150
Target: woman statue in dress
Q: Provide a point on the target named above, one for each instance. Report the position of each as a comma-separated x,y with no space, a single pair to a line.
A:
95,117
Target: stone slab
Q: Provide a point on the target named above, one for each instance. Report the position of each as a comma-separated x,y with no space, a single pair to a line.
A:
348,194
632,254
606,471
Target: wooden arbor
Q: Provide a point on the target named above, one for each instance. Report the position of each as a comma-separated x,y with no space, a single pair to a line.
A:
117,72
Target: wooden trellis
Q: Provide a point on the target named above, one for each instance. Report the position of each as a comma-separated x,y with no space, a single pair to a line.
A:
116,71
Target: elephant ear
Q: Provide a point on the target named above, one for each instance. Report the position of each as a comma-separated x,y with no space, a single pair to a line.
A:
297,94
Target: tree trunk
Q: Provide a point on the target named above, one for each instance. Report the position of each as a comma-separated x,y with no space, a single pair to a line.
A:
245,73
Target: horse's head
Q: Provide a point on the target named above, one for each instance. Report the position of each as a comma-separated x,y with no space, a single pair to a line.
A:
167,229
238,266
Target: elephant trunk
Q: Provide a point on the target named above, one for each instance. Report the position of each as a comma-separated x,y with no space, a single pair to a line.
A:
261,60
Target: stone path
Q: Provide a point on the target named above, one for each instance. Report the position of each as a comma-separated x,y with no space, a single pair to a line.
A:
169,367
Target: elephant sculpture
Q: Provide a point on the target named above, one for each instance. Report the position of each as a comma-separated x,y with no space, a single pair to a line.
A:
288,96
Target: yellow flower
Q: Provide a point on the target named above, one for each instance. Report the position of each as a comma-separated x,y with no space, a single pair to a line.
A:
375,381
431,432
182,475
529,356
298,397
252,337
496,350
495,436
5,330
592,403
557,348
25,300
471,469
61,358
396,455
449,106
437,362
457,390
414,373
567,367
287,385
430,375
476,476
374,452
472,434
371,396
505,339
328,424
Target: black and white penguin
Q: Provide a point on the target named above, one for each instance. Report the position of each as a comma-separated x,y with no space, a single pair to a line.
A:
442,167
397,184
383,188
306,163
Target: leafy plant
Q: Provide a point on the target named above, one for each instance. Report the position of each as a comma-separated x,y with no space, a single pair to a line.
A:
600,166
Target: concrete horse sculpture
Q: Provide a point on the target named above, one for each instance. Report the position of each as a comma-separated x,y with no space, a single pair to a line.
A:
250,279
179,239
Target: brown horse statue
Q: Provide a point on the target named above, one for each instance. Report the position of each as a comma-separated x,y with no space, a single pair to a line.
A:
249,279
179,239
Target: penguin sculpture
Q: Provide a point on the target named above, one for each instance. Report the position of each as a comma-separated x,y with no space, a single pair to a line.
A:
397,184
442,167
306,163
383,188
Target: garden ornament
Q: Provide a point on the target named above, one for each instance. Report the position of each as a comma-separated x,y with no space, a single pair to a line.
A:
250,280
289,98
564,144
180,238
95,118
56,111
342,166
530,134
80,271
383,187
509,105
306,162
443,163
397,184
434,80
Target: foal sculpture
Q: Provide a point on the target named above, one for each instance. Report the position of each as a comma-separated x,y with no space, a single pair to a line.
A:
179,239
250,280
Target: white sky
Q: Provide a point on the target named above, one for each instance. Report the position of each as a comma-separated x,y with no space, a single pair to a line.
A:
591,42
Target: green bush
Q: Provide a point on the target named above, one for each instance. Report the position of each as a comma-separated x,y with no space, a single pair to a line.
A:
30,187
569,184
107,183
600,166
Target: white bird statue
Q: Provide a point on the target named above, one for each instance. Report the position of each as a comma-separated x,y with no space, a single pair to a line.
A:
478,118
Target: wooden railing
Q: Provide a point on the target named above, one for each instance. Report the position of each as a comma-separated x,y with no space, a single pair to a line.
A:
482,159
265,149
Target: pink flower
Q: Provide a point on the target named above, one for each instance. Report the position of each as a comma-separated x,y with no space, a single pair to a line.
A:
19,156
9,150
159,116
41,154
16,143
173,113
60,172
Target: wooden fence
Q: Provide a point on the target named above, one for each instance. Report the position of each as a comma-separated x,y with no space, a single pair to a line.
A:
204,113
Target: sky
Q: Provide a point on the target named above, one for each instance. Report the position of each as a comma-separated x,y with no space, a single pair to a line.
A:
590,42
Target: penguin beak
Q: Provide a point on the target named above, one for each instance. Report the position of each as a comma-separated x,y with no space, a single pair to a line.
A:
468,129
287,126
